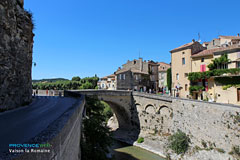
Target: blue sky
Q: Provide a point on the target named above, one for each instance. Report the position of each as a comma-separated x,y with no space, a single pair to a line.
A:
88,37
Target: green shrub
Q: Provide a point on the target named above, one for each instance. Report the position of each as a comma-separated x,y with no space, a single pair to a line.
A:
179,142
195,88
204,144
220,150
140,140
236,150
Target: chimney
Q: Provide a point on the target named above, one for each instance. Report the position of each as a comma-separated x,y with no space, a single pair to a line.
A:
193,40
141,64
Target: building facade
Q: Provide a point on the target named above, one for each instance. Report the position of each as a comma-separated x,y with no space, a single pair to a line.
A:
108,82
138,75
223,81
162,76
181,66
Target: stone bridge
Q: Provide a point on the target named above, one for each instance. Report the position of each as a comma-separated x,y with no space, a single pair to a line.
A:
130,107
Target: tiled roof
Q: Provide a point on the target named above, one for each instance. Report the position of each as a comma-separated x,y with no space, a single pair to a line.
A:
163,64
132,70
110,76
230,37
183,46
122,71
209,52
236,46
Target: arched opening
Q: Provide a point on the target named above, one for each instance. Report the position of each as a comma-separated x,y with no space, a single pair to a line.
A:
122,119
150,109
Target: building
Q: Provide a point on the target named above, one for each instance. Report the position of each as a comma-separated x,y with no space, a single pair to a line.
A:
162,76
181,65
223,86
216,71
138,75
107,82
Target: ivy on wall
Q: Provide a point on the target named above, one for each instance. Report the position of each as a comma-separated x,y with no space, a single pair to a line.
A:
228,82
195,88
194,76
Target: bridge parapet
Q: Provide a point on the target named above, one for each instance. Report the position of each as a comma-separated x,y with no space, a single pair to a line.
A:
92,92
153,96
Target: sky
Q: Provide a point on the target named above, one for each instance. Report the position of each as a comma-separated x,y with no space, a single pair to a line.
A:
88,37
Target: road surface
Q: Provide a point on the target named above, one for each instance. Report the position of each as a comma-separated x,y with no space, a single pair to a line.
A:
20,125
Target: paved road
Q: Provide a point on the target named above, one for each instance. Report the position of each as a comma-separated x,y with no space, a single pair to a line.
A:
20,125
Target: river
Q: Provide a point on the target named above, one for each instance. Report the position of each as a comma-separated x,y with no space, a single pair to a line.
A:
123,151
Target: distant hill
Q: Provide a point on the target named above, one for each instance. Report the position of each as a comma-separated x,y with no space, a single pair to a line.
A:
49,80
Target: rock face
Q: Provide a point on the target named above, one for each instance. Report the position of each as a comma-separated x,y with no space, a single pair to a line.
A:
16,44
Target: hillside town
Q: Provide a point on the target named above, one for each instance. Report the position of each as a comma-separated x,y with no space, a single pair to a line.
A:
207,72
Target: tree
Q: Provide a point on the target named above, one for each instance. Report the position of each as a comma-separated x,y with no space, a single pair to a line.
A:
219,62
96,137
77,78
169,78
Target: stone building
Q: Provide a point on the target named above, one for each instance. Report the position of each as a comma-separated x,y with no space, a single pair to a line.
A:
222,41
107,82
181,66
213,89
162,76
16,43
222,85
138,75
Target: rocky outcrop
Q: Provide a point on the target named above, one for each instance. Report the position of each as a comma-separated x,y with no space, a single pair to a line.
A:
16,44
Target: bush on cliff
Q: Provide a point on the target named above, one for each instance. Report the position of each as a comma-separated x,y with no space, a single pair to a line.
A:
179,142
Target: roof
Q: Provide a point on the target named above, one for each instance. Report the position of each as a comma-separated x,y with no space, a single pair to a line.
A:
204,53
110,76
132,70
230,37
163,66
232,47
183,46
210,52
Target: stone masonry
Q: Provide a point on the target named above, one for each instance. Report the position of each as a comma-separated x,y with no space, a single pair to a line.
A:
16,43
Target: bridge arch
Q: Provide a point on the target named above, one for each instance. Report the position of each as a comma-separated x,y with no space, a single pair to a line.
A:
120,102
150,109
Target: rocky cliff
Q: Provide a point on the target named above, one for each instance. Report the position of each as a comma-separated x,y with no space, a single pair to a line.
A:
16,45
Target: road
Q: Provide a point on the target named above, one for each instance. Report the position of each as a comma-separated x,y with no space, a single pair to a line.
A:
22,124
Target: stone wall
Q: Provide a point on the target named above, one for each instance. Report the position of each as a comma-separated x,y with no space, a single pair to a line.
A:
218,125
64,136
16,43
214,124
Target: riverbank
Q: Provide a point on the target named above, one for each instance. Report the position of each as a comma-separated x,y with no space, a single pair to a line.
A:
121,150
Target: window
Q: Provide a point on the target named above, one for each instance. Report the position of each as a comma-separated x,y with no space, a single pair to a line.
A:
238,55
238,65
186,87
202,60
203,68
109,85
136,77
120,76
124,77
183,61
177,76
102,85
238,94
222,66
185,75
213,42
134,62
183,52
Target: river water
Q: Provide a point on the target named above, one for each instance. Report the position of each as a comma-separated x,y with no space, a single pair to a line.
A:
123,151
